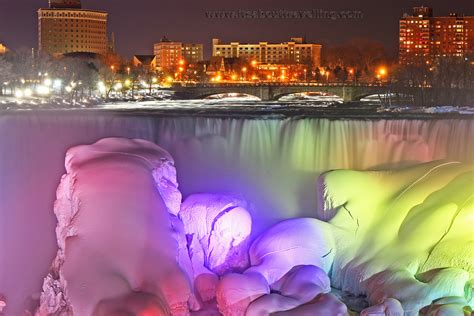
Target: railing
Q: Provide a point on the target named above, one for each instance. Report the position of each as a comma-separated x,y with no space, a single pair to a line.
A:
271,84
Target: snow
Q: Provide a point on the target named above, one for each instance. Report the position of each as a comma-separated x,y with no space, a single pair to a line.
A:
128,244
115,234
218,229
411,240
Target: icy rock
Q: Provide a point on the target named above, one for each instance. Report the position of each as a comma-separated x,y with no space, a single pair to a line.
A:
119,242
217,230
389,307
3,302
235,292
298,287
324,304
405,235
448,306
294,242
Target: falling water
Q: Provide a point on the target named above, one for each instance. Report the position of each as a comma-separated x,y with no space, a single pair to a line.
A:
274,163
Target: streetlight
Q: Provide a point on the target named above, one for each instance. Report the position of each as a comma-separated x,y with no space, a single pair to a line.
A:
128,71
244,70
325,73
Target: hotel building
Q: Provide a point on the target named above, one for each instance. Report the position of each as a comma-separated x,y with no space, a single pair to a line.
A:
424,38
65,28
169,54
193,53
296,51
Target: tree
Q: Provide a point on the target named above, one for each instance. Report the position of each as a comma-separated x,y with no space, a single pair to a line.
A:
5,73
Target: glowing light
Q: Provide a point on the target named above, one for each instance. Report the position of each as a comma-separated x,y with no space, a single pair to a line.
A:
118,86
234,77
169,79
57,84
101,87
48,82
28,92
254,63
154,80
68,89
19,94
42,90
128,82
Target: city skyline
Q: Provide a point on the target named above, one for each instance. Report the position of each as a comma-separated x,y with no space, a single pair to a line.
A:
191,24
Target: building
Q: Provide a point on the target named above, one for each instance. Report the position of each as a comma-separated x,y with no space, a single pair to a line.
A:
296,51
3,49
65,28
424,38
192,53
147,62
170,54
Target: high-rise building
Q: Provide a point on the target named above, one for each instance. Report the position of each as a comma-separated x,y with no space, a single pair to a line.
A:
169,55
65,28
296,51
424,38
192,53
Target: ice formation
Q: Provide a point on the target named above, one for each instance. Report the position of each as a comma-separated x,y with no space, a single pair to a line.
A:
403,239
405,235
119,245
218,229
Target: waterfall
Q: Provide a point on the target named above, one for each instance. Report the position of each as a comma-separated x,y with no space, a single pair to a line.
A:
273,163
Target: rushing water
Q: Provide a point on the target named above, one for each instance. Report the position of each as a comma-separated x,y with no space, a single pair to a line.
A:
273,162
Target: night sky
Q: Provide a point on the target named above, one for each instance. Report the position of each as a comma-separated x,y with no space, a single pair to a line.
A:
137,24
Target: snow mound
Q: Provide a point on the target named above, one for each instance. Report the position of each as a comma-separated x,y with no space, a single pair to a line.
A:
118,237
405,235
217,228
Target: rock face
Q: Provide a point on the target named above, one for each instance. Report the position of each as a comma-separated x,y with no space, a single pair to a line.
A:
120,246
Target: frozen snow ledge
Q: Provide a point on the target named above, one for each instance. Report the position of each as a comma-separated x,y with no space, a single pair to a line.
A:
404,235
121,247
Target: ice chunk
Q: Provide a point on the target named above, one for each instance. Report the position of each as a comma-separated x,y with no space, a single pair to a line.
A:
218,228
298,287
388,307
448,306
119,241
405,235
294,242
235,292
324,304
